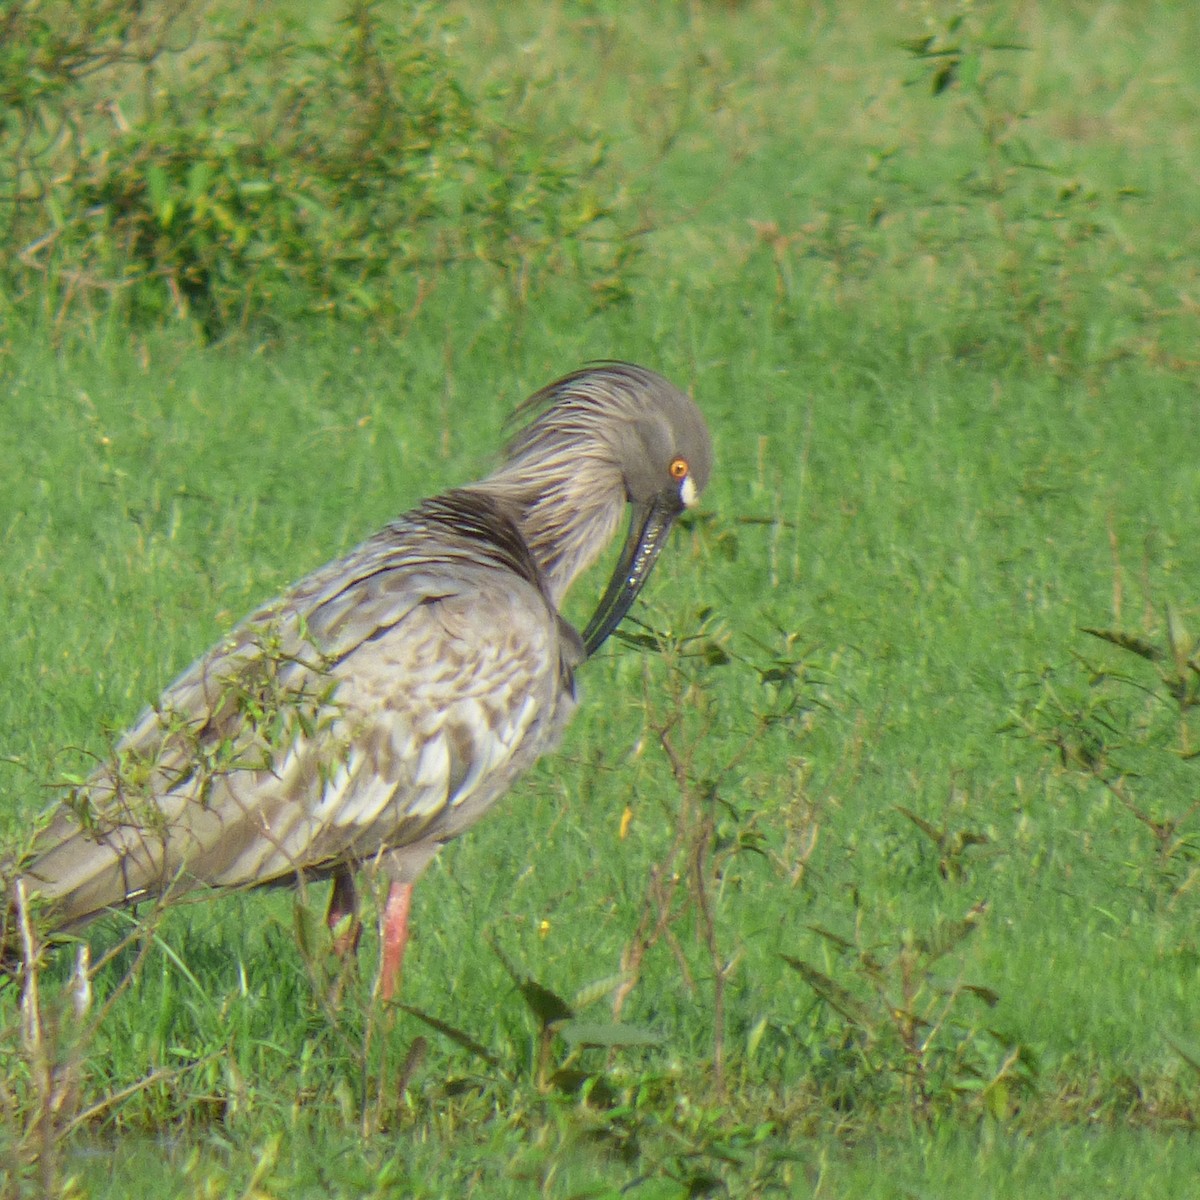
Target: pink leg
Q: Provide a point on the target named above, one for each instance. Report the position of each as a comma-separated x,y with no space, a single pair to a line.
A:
342,917
394,936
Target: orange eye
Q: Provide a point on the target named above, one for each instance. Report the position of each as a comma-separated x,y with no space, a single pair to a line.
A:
678,468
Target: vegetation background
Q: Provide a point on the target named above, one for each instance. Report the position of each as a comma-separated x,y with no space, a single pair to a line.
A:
870,866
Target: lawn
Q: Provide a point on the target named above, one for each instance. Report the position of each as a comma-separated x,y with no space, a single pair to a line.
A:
872,857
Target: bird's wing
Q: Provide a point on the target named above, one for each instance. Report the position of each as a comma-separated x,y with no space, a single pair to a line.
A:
378,707
430,721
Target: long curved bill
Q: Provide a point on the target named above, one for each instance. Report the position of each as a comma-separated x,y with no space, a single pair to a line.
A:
649,525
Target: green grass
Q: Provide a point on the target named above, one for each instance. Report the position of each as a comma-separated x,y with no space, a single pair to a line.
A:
953,397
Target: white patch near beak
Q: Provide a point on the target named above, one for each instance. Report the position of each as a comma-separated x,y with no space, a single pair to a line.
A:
687,492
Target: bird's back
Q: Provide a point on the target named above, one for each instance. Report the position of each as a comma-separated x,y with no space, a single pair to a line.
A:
376,709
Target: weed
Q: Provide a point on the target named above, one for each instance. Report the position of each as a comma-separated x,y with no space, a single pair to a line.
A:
902,1021
964,59
709,828
237,170
1132,731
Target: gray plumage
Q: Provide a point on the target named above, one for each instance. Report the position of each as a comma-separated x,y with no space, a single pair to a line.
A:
382,705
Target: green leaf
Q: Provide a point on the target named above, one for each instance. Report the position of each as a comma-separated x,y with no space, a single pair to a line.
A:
1179,640
935,835
1126,641
199,177
836,939
309,927
591,992
947,934
1191,1055
548,1006
970,68
158,187
755,1037
587,1033
987,995
714,655
457,1036
996,1099
945,76
836,996
255,187
642,641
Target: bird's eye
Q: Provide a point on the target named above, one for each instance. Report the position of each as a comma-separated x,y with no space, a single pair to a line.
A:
678,468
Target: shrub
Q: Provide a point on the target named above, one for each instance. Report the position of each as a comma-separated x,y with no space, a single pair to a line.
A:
232,169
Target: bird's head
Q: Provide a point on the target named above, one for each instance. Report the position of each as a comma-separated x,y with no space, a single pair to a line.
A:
606,435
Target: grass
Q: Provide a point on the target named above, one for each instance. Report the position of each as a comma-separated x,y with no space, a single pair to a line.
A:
953,397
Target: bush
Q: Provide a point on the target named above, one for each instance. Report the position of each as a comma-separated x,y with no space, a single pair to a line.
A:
233,169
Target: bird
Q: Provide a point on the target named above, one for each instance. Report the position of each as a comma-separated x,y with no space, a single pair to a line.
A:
381,706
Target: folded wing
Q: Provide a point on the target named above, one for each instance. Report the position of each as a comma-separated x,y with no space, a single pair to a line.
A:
376,710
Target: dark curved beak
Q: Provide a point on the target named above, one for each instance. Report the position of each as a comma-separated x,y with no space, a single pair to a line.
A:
649,524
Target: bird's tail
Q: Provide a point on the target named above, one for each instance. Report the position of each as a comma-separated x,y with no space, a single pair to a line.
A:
72,871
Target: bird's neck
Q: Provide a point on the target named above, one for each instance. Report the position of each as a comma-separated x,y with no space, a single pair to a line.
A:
566,519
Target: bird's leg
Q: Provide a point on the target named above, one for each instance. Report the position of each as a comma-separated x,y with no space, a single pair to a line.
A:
342,916
393,936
